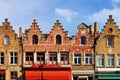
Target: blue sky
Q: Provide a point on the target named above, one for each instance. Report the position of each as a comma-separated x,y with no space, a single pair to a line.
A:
71,13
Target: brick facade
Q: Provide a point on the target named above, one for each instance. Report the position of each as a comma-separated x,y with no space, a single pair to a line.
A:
10,44
86,55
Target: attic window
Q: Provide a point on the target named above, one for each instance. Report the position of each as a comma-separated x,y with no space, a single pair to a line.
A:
110,41
83,40
6,40
58,40
35,39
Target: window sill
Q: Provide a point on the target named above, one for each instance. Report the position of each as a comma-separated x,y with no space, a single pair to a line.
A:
100,66
88,64
77,64
1,64
110,66
13,64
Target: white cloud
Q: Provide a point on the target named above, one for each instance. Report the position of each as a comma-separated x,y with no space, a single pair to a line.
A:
116,1
102,15
67,13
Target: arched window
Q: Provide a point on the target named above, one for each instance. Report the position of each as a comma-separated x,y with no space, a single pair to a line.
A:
58,39
83,40
6,40
35,39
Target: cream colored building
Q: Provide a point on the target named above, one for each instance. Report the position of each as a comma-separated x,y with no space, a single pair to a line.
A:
107,52
10,53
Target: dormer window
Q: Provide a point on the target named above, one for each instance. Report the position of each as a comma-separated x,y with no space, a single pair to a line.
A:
110,41
58,40
35,39
83,40
6,40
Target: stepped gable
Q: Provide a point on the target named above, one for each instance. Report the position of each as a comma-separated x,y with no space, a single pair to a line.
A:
7,30
33,30
58,30
82,31
6,27
109,29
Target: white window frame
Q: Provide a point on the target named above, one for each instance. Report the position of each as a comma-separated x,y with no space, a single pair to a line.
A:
14,56
89,58
118,60
1,57
110,57
100,60
77,57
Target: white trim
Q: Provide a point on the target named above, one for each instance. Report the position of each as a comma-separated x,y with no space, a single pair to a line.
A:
108,69
82,71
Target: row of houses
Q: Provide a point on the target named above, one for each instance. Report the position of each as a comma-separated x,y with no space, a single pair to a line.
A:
88,55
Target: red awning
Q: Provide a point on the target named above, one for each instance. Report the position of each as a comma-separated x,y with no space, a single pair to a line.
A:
2,71
32,75
47,75
57,75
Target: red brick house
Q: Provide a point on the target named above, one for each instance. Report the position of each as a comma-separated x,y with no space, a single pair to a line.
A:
46,56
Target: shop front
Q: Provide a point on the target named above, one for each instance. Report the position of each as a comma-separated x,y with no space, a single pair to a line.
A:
82,75
47,73
108,76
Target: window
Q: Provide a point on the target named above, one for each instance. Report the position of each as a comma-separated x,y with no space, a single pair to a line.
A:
1,58
35,39
58,39
110,60
29,58
110,42
77,58
2,74
13,58
40,58
64,58
88,59
83,40
6,40
118,60
53,58
14,75
100,60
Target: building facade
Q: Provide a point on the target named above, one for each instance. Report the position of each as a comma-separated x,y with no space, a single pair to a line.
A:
46,56
83,53
10,53
107,52
87,55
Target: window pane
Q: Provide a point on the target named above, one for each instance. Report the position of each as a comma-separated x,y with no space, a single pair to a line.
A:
58,39
88,59
77,58
118,60
110,60
110,42
100,60
6,40
83,40
35,39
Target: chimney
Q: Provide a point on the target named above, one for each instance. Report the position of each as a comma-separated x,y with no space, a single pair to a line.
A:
20,32
95,27
90,29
